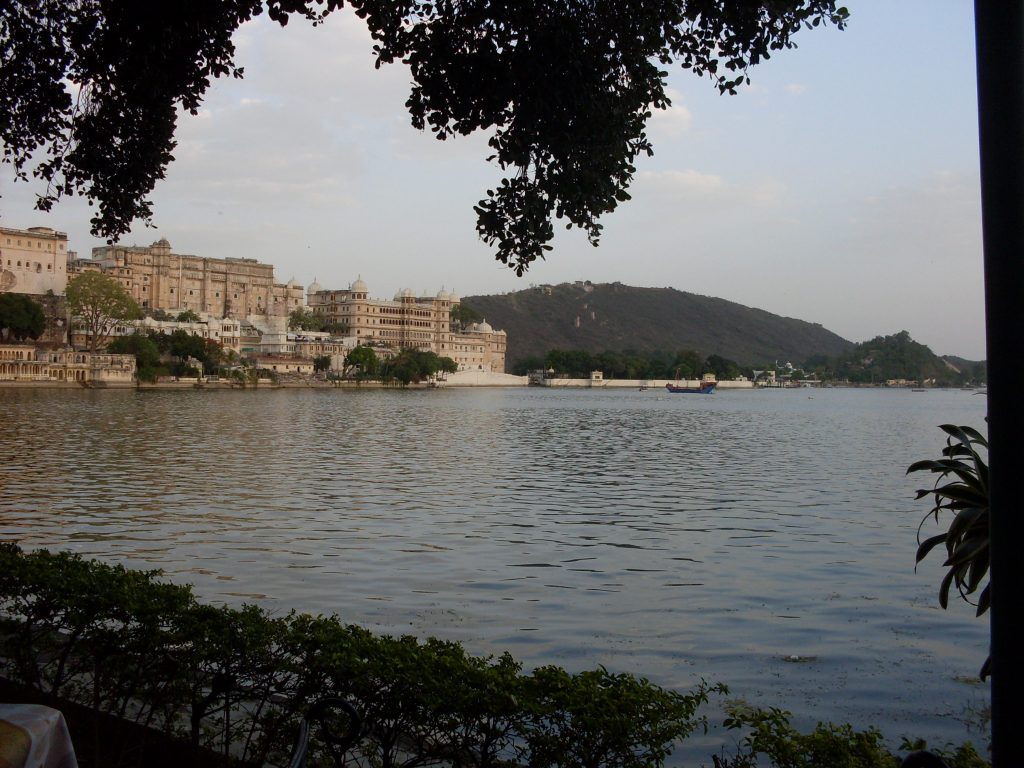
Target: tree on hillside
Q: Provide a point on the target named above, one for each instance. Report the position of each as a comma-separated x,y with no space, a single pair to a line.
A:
566,89
98,303
895,357
188,316
463,315
20,317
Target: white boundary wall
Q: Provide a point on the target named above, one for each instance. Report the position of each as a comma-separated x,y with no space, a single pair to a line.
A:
637,383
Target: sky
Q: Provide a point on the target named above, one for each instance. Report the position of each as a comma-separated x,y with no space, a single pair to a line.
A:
841,187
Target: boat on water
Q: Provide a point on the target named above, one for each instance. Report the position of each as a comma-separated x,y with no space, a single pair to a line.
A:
705,388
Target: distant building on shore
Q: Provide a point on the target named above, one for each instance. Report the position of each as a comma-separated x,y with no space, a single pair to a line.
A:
410,321
33,261
239,304
159,279
23,363
225,331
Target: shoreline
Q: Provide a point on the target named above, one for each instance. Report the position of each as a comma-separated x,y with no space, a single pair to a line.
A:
223,386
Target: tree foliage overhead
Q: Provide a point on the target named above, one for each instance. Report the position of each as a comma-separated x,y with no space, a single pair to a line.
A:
565,87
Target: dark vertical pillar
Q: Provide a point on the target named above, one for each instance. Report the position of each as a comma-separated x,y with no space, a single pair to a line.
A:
999,34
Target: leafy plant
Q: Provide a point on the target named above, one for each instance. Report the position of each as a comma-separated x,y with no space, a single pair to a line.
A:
962,489
768,733
238,680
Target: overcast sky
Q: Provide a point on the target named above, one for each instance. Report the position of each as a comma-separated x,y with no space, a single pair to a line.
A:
840,188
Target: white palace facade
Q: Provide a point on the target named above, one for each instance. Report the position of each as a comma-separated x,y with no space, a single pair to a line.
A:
410,321
33,261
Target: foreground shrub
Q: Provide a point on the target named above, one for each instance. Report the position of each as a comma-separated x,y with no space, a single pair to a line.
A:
238,681
769,734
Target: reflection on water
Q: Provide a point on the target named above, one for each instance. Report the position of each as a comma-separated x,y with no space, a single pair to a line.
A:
669,536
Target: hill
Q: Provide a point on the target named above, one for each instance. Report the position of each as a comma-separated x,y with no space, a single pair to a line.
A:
615,317
900,357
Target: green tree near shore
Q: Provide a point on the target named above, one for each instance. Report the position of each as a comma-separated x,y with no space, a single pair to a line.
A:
20,317
364,359
147,354
413,366
98,303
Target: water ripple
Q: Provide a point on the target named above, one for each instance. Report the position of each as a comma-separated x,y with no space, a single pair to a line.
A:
674,537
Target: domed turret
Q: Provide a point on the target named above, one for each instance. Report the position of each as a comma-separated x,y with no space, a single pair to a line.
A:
485,327
443,295
358,285
314,287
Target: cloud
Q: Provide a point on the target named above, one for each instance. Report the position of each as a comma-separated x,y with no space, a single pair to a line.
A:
683,183
795,89
673,121
692,185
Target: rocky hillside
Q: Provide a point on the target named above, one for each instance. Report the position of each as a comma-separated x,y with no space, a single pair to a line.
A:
604,317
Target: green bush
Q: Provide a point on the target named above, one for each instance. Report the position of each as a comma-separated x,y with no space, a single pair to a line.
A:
768,733
238,681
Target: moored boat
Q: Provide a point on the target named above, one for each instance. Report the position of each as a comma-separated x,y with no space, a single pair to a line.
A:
705,388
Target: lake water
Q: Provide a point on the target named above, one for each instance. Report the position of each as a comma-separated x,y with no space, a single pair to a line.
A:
676,537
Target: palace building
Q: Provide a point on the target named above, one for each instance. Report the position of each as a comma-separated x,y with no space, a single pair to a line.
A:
33,261
26,363
410,321
157,278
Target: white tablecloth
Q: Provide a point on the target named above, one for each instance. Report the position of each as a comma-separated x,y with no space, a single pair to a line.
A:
34,736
